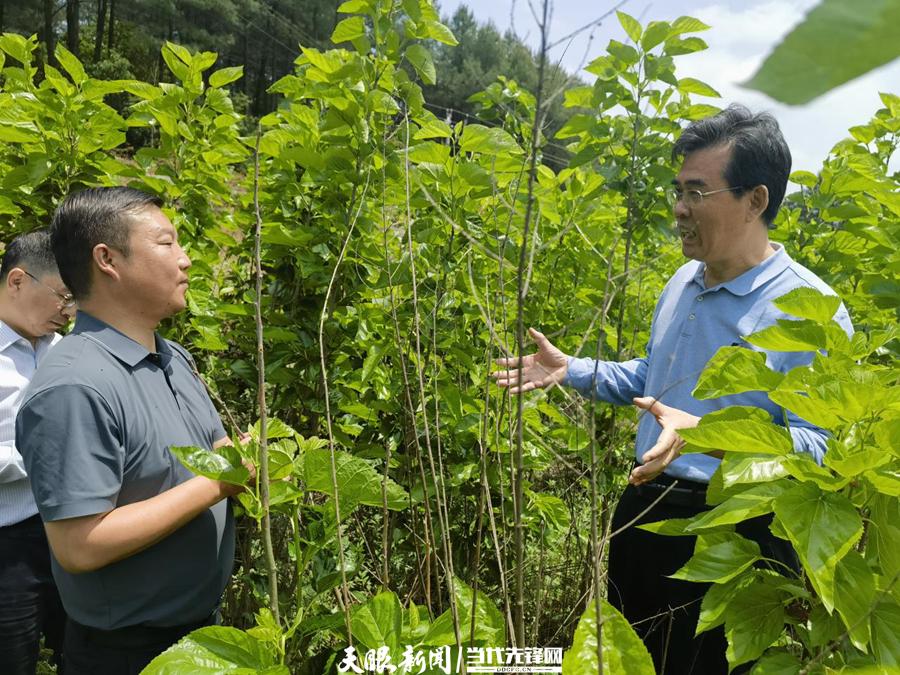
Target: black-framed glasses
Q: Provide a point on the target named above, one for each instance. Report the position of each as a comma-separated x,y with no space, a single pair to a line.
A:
693,197
66,300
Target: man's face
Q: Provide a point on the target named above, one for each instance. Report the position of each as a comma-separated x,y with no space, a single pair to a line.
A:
40,303
154,274
711,231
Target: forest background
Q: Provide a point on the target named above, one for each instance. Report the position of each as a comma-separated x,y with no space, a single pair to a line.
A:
376,204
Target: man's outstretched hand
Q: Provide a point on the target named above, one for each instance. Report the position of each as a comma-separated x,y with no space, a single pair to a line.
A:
668,445
548,366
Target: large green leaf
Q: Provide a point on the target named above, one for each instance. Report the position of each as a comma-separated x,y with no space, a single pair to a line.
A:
734,370
748,504
421,60
754,619
490,628
738,469
378,622
777,663
216,649
808,303
357,481
222,464
738,429
886,634
225,76
807,63
349,29
720,561
479,138
622,649
802,335
823,527
716,600
854,596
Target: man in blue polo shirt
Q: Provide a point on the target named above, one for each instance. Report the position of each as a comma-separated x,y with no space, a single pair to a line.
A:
142,549
731,183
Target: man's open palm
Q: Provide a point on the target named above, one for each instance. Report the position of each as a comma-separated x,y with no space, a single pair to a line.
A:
545,368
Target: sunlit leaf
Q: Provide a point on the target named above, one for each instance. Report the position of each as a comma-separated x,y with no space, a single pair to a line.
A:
622,649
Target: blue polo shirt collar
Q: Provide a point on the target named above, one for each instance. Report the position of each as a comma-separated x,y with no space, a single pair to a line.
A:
117,343
753,278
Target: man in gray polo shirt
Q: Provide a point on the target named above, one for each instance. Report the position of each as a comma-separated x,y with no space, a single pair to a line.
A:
142,549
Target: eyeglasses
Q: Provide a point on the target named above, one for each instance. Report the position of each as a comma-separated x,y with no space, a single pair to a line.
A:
693,197
66,300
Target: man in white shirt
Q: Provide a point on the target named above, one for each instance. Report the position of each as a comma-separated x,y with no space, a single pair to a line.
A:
34,304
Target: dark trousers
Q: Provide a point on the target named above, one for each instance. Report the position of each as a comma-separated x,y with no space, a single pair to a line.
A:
29,602
664,611
122,651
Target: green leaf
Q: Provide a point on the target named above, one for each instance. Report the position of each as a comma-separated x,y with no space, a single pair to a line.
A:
823,527
225,76
854,596
213,650
222,464
671,527
625,53
349,29
433,128
738,469
748,504
357,481
804,178
654,34
490,627
806,64
754,619
178,67
17,47
739,429
808,303
438,31
378,622
631,25
777,663
421,60
490,140
715,602
790,336
622,650
687,24
734,370
70,64
720,562
886,633
688,85
552,509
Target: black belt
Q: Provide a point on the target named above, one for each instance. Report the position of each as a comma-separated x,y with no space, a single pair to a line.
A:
685,492
135,637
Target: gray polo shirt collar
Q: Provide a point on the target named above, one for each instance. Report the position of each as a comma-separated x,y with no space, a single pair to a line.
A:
753,278
117,343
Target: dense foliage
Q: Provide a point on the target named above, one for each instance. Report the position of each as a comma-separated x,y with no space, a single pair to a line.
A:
400,256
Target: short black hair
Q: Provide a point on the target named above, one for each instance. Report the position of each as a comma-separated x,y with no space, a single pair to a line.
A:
90,217
32,252
759,153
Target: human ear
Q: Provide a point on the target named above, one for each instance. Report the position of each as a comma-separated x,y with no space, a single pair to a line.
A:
759,200
105,258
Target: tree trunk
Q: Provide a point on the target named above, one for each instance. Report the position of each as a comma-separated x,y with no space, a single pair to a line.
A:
49,37
101,28
112,26
72,26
